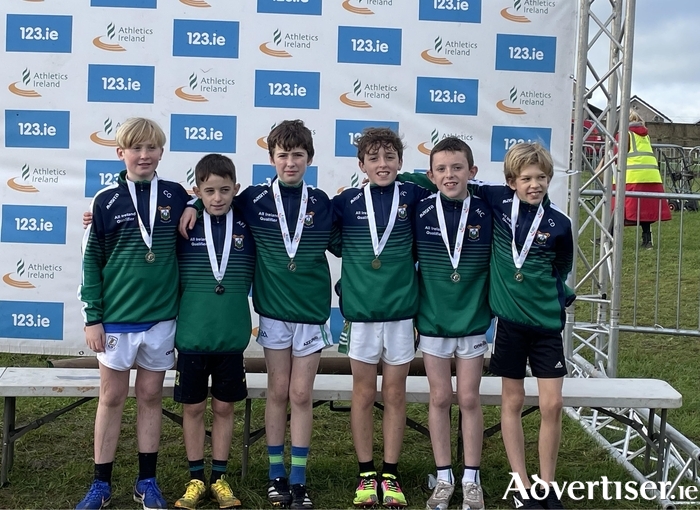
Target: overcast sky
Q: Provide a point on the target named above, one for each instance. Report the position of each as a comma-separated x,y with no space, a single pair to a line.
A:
666,64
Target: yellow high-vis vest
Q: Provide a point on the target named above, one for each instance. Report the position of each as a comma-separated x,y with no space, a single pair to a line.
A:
642,166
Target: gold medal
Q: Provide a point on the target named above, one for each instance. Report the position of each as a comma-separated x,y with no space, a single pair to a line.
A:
455,277
376,264
150,257
292,266
519,276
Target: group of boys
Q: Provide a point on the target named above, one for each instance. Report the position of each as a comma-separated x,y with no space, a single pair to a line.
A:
517,252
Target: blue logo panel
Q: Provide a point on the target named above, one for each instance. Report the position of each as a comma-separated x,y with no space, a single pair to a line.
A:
31,319
99,174
39,33
534,53
44,129
205,38
203,133
458,11
447,96
287,89
263,174
37,224
504,137
369,45
308,7
348,131
120,84
137,4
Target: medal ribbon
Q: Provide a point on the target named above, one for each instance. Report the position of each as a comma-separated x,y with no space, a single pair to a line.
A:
291,245
378,244
454,257
519,259
219,270
152,206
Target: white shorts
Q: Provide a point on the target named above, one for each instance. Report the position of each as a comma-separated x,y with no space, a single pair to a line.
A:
304,339
392,342
153,349
464,347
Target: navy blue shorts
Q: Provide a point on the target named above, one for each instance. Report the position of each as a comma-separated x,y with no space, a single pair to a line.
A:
515,344
227,371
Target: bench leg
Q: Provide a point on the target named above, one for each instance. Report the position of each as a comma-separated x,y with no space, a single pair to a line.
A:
661,460
650,433
8,442
246,437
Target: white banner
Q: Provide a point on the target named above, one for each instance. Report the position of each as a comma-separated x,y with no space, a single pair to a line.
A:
218,75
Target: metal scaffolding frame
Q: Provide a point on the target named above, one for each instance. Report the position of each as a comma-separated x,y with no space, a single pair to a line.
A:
591,346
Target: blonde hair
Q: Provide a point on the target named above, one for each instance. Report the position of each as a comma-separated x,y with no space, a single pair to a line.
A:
521,155
635,117
136,130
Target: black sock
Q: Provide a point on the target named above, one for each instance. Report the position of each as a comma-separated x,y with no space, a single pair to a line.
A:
218,469
147,465
367,467
103,472
196,469
390,469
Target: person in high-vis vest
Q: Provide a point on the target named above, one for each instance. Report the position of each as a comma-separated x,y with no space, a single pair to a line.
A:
643,175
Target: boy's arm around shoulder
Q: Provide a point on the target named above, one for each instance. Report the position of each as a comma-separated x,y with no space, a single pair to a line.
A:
490,192
94,260
335,244
419,179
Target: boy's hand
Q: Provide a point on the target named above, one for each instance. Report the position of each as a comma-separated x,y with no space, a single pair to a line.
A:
187,221
95,337
87,219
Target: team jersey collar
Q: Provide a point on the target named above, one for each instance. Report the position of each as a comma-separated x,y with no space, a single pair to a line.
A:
122,178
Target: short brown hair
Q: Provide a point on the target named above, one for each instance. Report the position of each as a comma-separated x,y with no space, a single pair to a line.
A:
374,138
214,164
521,155
290,134
453,144
137,130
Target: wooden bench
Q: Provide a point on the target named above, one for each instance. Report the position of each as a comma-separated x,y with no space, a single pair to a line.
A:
607,395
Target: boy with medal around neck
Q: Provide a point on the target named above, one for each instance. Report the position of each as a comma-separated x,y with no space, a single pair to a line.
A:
531,257
378,299
291,224
453,246
129,293
216,270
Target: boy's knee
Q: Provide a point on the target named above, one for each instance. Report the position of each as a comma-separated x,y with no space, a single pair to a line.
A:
149,394
440,399
112,398
395,394
513,400
221,409
300,396
194,410
551,406
468,402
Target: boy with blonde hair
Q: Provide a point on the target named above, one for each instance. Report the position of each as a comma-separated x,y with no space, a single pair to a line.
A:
129,292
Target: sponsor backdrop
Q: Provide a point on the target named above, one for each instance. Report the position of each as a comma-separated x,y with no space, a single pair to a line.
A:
218,75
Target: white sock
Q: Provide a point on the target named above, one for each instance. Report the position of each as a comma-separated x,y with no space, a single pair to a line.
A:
446,475
471,475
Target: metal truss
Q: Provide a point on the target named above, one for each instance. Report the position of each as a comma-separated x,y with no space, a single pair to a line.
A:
593,326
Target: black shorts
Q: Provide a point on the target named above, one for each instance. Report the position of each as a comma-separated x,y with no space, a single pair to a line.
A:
227,373
514,344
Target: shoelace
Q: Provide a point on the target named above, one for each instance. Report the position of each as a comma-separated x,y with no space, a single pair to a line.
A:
151,491
392,484
95,491
366,483
443,491
192,490
223,488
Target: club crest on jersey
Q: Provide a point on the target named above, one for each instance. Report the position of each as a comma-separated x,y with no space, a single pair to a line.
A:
473,232
309,219
112,342
541,238
238,242
403,212
164,213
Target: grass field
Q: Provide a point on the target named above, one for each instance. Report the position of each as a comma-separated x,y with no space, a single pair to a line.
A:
53,464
